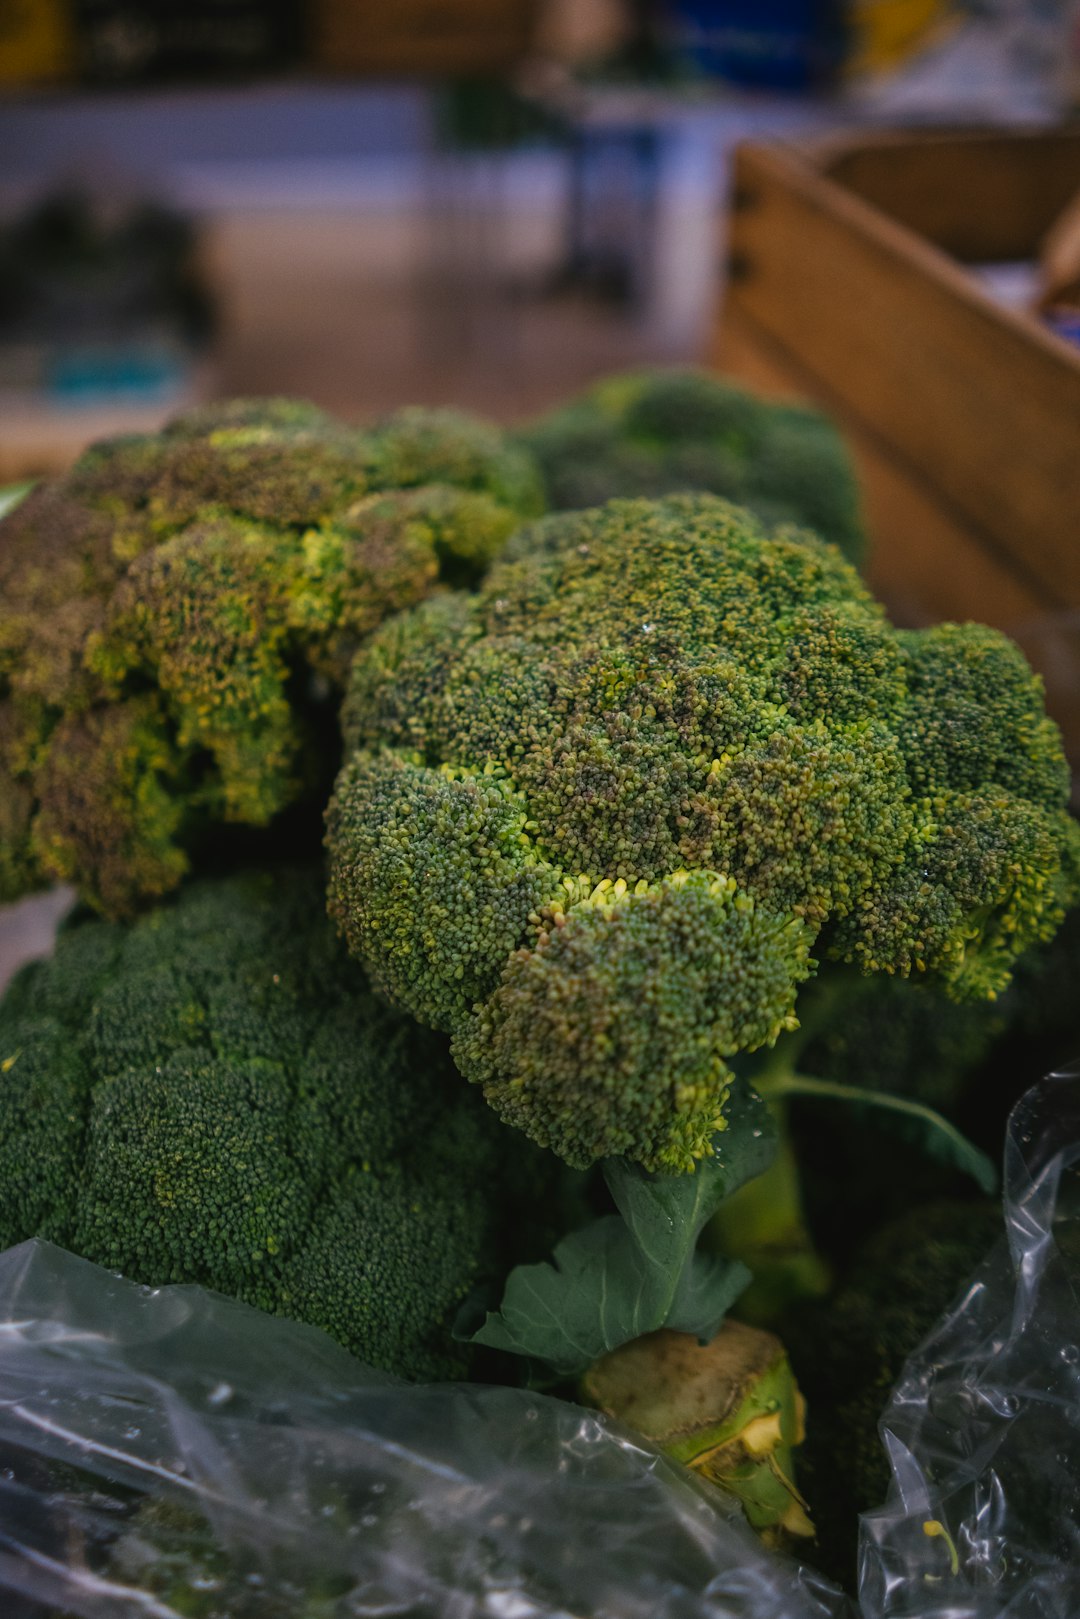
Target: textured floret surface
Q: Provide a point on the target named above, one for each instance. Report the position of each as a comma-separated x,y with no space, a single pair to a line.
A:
178,612
594,819
214,1095
661,432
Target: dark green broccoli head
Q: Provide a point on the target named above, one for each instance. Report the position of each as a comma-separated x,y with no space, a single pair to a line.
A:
935,1047
214,1095
595,817
418,445
849,1351
656,433
175,610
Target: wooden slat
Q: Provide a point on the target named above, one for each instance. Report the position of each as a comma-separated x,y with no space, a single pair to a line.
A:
978,403
923,562
983,196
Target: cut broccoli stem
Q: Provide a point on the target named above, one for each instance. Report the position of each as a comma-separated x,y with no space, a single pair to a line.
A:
764,1224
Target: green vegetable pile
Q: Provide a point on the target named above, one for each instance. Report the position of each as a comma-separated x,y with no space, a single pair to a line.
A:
664,432
690,915
172,609
214,1095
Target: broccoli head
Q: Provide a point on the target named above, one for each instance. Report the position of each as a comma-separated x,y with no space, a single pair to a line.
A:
175,610
214,1095
593,819
849,1351
660,432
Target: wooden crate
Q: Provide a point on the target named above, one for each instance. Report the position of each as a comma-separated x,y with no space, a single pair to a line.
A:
847,285
418,38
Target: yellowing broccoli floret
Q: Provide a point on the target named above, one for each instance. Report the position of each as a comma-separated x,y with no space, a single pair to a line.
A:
609,1037
179,610
215,1096
659,432
595,818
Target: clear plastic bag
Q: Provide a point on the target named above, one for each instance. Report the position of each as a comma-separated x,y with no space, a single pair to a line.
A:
983,1429
170,1454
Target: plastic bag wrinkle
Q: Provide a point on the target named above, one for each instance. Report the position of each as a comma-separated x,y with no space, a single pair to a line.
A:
147,1434
983,1429
339,1490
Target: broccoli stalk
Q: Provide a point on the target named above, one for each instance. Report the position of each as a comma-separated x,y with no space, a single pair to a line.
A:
731,1410
764,1223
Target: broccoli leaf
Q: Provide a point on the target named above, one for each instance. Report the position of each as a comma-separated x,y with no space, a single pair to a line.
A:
630,1273
936,1134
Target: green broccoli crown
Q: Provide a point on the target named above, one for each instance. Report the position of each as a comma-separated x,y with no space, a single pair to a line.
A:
214,1095
173,611
935,1046
418,445
654,433
651,1081
595,817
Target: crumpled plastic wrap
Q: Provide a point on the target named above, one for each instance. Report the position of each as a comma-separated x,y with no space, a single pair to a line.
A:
288,1481
170,1454
983,1429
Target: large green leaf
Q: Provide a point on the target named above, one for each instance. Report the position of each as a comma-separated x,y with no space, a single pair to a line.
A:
632,1272
937,1135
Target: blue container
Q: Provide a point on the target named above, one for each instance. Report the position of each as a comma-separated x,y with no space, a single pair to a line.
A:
771,44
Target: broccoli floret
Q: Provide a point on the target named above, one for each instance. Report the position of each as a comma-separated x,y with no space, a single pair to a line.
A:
620,794
418,446
271,413
176,1554
214,1095
653,1082
178,613
656,433
848,1352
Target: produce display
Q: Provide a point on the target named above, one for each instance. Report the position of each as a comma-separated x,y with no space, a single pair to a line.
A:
603,821
174,610
666,881
214,1095
662,432
849,1353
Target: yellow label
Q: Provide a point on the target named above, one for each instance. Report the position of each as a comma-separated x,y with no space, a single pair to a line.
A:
886,32
36,41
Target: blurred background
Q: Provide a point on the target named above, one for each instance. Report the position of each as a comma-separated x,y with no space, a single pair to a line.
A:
870,204
483,202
